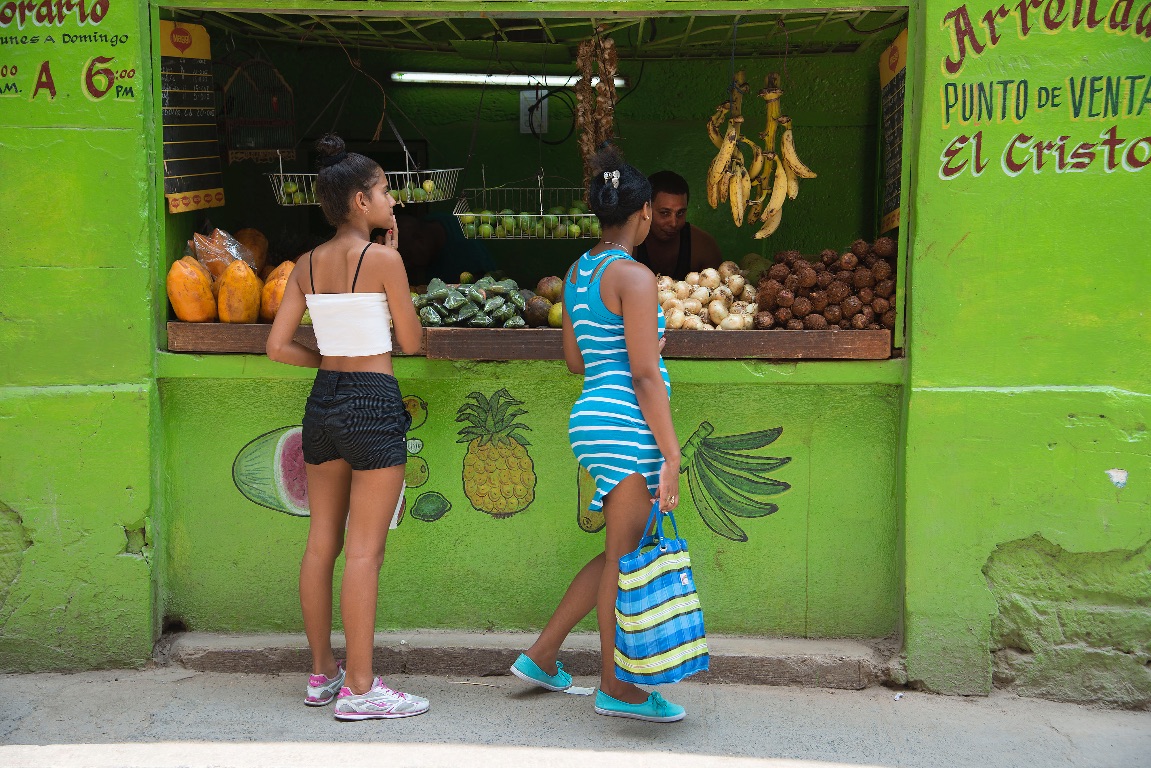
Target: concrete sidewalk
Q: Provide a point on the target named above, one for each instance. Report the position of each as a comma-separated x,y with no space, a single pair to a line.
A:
173,716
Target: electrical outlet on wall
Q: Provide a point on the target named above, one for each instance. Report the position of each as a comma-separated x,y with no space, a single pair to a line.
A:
539,116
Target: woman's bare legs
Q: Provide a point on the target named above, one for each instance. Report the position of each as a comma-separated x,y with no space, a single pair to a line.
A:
373,500
328,486
626,510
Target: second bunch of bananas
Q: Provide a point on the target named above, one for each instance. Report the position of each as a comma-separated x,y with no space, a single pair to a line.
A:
755,190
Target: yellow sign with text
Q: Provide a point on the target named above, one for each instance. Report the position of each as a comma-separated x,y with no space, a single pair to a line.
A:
185,41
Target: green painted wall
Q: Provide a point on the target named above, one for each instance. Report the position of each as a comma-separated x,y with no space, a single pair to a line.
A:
823,565
1026,374
1028,352
76,265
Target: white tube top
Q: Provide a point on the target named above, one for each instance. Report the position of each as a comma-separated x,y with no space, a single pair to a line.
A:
351,324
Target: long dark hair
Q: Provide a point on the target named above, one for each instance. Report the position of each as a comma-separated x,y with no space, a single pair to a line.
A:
616,190
341,175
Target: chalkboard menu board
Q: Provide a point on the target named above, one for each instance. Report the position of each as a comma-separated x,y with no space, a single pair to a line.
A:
192,172
892,71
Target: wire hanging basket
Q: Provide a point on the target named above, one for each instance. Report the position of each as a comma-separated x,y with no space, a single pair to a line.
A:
429,186
293,188
521,213
419,185
415,186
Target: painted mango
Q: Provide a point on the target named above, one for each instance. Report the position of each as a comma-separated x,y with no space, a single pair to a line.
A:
240,289
270,471
417,408
190,291
273,292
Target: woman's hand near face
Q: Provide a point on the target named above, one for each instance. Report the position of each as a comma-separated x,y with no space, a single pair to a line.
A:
392,237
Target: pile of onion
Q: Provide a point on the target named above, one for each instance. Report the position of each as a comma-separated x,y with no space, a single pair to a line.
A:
713,299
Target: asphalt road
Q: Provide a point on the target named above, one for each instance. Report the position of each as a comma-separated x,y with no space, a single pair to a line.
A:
170,716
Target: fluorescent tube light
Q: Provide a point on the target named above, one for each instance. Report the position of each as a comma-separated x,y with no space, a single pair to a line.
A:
472,78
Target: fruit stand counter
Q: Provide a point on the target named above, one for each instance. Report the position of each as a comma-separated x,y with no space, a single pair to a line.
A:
547,343
788,493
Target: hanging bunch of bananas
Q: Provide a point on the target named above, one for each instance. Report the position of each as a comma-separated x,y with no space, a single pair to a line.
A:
755,190
728,179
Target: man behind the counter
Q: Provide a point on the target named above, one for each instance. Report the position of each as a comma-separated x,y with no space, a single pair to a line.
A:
673,247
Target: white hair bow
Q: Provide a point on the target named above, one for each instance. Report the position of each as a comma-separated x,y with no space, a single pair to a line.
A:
613,177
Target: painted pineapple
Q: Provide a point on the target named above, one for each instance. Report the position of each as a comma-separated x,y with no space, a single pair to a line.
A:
499,477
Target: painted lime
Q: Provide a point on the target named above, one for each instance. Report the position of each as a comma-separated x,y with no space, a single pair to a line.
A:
270,471
430,507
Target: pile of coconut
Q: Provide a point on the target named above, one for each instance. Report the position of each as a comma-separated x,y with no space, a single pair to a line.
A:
714,299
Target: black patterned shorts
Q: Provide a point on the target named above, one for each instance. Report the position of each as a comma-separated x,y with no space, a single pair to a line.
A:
358,417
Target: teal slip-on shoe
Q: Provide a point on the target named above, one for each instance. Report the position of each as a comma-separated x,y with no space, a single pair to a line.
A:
656,709
528,671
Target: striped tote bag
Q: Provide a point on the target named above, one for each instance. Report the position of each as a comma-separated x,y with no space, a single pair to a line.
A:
659,636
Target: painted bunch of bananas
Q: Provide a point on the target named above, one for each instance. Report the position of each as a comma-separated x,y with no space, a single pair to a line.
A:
757,190
727,482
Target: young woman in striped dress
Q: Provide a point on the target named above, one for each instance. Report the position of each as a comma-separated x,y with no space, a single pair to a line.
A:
620,428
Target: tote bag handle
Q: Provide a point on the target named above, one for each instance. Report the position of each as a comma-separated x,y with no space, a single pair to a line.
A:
656,537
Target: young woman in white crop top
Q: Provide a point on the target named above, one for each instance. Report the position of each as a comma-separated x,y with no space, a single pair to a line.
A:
355,424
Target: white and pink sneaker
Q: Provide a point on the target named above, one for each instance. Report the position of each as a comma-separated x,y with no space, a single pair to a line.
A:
322,689
380,702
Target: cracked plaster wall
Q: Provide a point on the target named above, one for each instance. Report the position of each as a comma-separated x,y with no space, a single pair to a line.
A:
1074,626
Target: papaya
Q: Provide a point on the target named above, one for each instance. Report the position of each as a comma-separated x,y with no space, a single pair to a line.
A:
254,241
190,291
283,270
273,292
240,293
199,267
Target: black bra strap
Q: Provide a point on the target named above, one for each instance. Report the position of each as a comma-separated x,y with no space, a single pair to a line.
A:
358,265
312,270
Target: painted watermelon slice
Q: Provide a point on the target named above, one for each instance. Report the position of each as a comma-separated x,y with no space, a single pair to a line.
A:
270,471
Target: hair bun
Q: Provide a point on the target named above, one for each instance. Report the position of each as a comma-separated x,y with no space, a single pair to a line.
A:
607,158
330,145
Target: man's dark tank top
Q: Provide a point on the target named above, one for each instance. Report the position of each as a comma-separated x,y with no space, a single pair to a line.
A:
682,264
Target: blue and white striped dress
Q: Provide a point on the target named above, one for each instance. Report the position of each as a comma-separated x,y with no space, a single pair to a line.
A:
609,435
